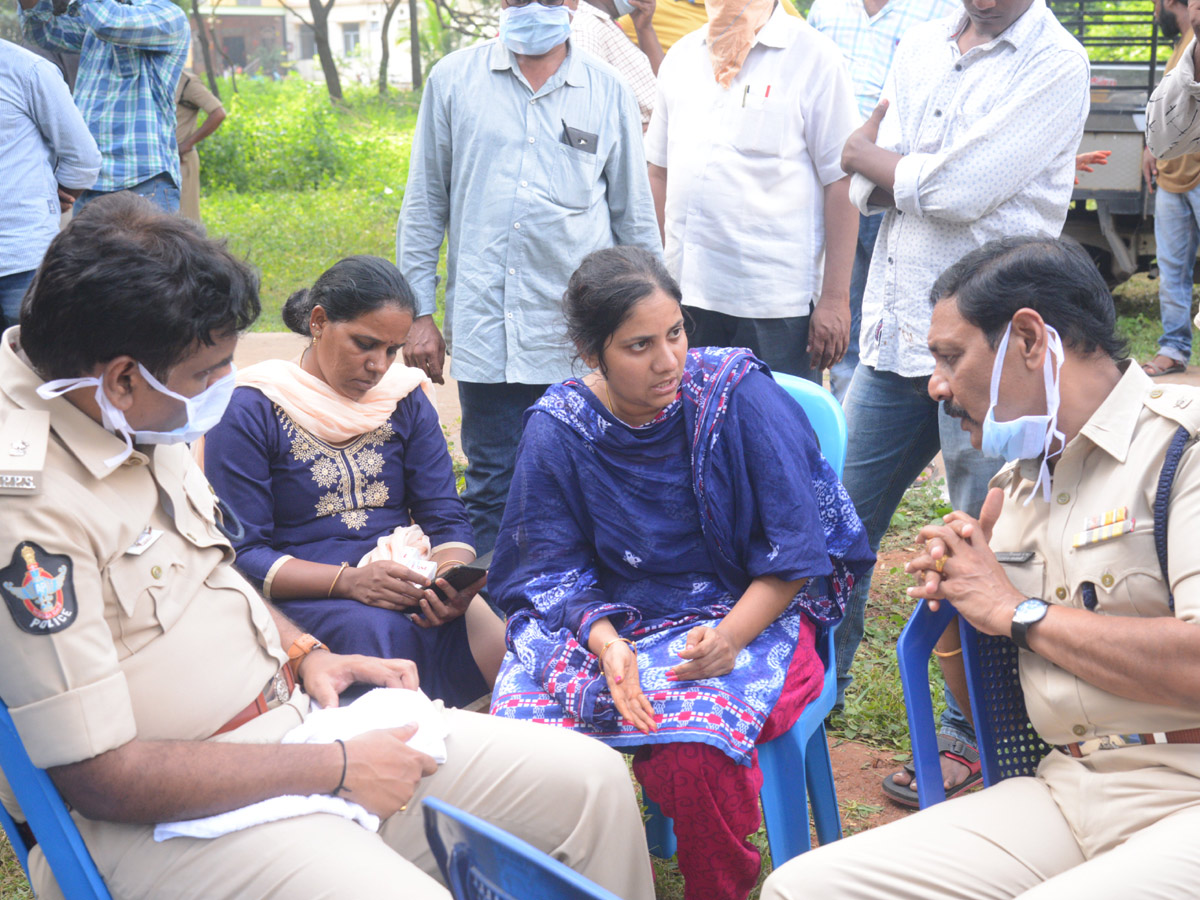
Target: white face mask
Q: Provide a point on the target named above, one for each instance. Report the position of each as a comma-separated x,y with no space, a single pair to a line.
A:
1027,437
203,411
624,7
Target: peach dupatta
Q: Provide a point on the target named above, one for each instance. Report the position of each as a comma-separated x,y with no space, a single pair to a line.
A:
322,411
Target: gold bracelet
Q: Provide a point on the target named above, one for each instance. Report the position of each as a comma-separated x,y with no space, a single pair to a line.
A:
448,564
940,655
604,649
333,583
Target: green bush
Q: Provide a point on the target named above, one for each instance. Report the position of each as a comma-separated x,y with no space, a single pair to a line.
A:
287,136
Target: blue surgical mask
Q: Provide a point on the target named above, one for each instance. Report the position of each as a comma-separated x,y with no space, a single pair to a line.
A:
624,7
534,29
1027,437
203,411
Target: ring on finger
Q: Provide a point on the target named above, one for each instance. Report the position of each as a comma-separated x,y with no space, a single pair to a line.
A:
940,564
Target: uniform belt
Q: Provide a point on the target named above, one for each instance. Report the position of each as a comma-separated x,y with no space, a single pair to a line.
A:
276,693
1113,742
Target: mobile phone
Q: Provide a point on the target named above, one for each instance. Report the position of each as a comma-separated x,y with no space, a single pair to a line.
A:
462,575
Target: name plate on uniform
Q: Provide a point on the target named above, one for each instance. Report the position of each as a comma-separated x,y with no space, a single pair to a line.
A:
23,437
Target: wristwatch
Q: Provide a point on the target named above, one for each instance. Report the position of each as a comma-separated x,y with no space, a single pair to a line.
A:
301,647
1027,614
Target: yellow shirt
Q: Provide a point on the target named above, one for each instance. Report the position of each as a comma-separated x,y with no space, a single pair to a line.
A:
675,18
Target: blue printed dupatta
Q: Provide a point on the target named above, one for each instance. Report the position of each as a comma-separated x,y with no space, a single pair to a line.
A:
608,520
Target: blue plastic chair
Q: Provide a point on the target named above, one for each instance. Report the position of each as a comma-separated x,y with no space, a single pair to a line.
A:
47,818
1007,742
785,797
482,862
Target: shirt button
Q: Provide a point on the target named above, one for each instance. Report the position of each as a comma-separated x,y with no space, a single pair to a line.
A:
156,572
512,271
958,67
508,315
524,184
1079,730
531,140
1061,593
936,113
517,225
890,261
1064,499
1107,580
1155,394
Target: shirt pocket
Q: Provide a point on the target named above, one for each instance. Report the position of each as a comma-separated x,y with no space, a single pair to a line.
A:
1025,570
572,177
1125,574
758,132
150,589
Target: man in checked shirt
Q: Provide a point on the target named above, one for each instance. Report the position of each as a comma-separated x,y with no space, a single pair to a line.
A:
131,54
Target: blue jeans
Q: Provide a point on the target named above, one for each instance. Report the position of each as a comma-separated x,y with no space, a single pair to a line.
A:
896,429
12,290
840,374
161,190
1177,236
492,421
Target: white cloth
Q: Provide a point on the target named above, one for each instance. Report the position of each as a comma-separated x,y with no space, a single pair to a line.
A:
380,708
745,224
407,545
1173,113
989,140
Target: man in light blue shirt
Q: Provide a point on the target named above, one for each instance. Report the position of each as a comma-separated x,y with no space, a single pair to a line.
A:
48,153
867,31
527,156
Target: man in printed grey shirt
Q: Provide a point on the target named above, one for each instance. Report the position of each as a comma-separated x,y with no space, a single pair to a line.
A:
527,156
974,139
1173,113
49,158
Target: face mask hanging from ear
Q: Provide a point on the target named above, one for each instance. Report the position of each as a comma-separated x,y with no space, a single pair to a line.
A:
203,411
1027,437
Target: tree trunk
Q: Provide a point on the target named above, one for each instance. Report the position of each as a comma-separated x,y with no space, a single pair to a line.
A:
414,44
205,50
320,27
383,57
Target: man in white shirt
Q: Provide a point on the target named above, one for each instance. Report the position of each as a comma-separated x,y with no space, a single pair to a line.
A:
594,31
867,32
976,140
744,150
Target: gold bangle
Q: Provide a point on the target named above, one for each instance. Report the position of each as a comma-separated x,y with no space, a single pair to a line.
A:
333,584
940,655
604,649
447,565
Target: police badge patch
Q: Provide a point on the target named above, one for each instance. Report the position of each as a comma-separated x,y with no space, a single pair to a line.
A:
39,590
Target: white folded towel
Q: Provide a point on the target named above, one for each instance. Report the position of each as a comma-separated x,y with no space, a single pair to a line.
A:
379,708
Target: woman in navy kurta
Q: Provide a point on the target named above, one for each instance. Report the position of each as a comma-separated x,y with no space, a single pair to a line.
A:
657,530
311,500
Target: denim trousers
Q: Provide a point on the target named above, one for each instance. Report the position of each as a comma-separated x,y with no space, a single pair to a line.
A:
895,431
161,190
1177,237
12,291
493,417
843,371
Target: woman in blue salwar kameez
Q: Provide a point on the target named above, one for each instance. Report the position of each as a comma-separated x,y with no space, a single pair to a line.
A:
672,541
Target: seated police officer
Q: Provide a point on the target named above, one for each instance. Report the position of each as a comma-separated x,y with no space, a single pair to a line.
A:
151,679
1062,560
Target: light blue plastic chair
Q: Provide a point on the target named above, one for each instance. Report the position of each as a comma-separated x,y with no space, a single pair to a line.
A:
482,862
47,818
1007,742
785,796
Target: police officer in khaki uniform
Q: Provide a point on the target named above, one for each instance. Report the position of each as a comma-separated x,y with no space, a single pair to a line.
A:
1110,672
150,678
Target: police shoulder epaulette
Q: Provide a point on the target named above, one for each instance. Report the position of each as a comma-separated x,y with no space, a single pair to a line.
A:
1177,402
24,434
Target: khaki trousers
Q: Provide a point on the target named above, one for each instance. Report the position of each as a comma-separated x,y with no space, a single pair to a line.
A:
189,188
1121,823
567,794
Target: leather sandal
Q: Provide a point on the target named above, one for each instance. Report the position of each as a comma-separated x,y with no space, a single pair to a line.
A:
1163,365
951,748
